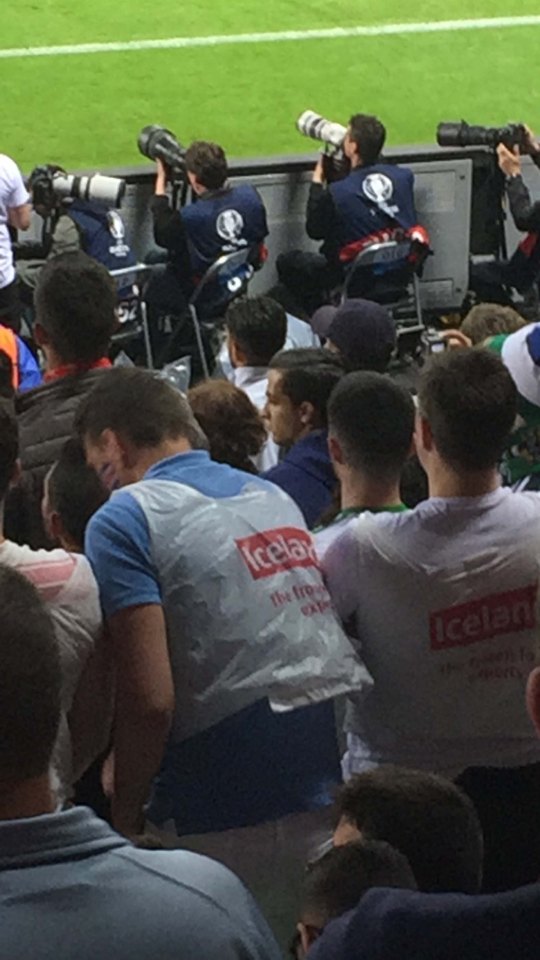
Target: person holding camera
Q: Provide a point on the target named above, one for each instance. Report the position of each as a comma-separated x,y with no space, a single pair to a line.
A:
373,203
69,225
14,215
492,282
224,218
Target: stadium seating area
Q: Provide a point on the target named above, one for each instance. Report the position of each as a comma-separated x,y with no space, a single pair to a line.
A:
269,573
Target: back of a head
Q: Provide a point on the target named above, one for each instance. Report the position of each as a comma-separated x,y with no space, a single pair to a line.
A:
369,134
231,423
309,375
75,305
208,164
489,319
373,420
470,402
424,816
140,407
338,880
75,492
364,334
30,681
258,327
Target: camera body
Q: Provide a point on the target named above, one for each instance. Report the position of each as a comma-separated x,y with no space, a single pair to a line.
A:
158,143
313,125
462,134
432,342
50,183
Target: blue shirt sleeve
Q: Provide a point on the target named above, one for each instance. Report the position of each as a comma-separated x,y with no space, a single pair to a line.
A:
118,548
29,372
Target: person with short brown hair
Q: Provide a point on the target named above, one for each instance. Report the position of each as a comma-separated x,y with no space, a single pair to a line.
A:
443,603
225,218
488,320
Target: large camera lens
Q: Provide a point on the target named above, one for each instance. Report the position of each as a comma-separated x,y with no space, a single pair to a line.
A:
464,135
312,125
158,143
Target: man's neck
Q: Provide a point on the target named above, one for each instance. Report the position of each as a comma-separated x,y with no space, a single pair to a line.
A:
447,483
148,457
55,363
52,360
27,798
360,492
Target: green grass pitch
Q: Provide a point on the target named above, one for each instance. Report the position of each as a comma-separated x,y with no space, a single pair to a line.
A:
86,110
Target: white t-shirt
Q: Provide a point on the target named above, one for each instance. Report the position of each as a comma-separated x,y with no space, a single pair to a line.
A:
13,193
443,601
67,586
325,536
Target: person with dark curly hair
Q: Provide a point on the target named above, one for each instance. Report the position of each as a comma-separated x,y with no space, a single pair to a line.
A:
234,428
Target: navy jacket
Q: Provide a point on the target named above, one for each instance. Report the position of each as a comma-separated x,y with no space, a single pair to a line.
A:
221,221
400,925
368,200
103,235
307,475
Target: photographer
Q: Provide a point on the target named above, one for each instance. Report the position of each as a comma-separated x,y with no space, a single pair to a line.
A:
223,219
14,215
68,226
492,281
371,204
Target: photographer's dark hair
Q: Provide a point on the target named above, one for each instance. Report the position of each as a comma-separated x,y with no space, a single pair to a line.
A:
424,816
309,376
30,680
369,135
9,446
75,304
337,881
208,163
470,402
139,406
259,328
232,425
75,491
373,420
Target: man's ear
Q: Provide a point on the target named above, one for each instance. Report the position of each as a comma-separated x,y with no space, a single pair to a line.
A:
236,356
423,437
308,936
533,698
334,448
40,335
56,527
306,413
16,475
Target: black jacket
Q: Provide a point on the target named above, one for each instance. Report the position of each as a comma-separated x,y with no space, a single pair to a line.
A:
45,417
525,214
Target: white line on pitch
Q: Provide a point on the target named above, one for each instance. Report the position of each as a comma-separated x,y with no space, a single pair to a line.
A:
333,33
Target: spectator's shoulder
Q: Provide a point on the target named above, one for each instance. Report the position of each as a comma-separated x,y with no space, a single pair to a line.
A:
215,905
119,512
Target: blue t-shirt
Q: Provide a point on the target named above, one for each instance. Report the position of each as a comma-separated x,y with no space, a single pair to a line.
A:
254,766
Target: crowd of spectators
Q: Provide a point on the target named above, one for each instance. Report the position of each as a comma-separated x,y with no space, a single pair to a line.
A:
257,693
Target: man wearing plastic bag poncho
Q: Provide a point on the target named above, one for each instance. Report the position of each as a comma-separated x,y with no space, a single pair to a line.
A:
227,650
